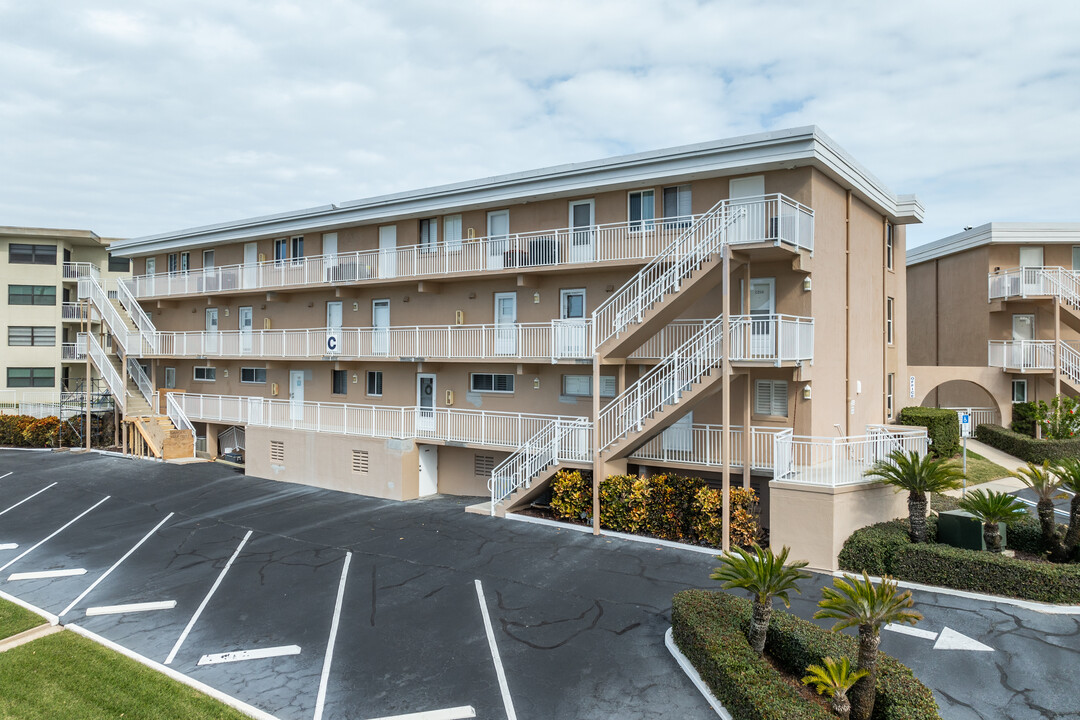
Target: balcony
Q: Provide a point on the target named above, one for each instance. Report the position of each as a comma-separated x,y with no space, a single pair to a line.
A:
1026,282
73,312
699,445
773,219
1022,355
841,461
75,270
69,352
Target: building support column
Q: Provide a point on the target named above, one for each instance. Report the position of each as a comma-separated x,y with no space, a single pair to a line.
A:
725,402
86,385
1057,347
848,396
748,440
598,465
122,400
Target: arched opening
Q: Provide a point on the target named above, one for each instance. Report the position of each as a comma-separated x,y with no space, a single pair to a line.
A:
964,395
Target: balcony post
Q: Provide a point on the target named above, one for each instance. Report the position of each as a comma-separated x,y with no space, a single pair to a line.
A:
725,390
598,465
1057,348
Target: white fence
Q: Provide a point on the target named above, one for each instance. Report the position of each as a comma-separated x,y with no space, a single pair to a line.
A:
1035,282
1021,355
699,445
73,311
48,403
76,270
838,461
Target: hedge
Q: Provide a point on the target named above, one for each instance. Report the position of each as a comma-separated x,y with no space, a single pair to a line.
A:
885,549
1024,417
710,628
29,431
1027,448
942,426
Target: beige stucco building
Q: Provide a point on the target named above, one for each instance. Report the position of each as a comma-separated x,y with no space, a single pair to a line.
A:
466,338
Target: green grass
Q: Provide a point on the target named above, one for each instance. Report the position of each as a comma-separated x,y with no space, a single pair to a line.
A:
14,619
66,676
980,470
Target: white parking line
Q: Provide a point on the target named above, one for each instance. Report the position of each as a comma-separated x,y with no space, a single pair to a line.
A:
499,672
320,700
44,574
260,654
9,546
202,605
130,608
456,713
29,497
5,475
115,565
23,554
1032,503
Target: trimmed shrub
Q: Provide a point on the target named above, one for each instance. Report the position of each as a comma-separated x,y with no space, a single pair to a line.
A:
13,428
1025,535
710,628
571,495
942,426
1027,448
1024,416
709,520
873,548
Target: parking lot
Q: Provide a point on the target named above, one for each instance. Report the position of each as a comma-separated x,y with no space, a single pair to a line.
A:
309,603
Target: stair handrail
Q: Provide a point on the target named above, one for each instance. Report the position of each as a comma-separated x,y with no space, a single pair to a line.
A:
1069,362
548,446
138,316
135,372
90,289
662,385
89,345
664,273
179,418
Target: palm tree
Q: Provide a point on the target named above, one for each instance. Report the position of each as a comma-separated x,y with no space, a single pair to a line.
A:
993,508
918,475
858,602
834,679
765,576
1047,487
1069,472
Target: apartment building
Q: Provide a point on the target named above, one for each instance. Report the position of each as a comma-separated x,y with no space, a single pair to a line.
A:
41,315
733,309
995,317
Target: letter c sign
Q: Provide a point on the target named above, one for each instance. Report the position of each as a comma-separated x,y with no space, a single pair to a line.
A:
332,344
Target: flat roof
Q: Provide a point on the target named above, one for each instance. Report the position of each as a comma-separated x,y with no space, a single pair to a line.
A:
781,149
997,233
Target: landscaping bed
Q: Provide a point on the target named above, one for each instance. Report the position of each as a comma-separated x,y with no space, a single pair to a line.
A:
710,628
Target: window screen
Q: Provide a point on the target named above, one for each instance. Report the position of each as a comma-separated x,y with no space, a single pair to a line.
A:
25,335
771,397
340,382
374,383
491,382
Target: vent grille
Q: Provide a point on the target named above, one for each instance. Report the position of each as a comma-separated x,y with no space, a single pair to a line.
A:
483,465
360,462
277,451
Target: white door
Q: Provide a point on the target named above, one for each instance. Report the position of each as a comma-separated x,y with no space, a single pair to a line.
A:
333,328
1031,262
251,262
425,402
582,233
498,242
429,470
570,331
211,344
679,436
762,323
151,268
745,198
380,321
296,395
246,324
170,377
211,279
1023,353
505,323
388,251
329,251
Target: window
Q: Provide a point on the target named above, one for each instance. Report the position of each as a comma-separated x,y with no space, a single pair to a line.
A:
581,385
1019,391
253,375
889,245
429,235
31,377
22,254
117,264
677,205
298,247
172,262
451,230
771,398
281,250
339,381
483,465
206,374
31,295
889,320
207,259
24,335
642,210
890,382
1076,257
491,382
374,383
185,261
170,378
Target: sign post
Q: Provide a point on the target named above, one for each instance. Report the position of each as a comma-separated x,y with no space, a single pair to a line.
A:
965,431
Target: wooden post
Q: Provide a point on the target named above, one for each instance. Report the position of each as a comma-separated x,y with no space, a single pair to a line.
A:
725,402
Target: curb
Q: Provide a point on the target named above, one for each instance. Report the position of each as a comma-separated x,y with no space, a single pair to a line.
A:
612,534
692,673
28,636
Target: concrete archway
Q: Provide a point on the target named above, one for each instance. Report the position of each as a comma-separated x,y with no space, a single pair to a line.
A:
962,385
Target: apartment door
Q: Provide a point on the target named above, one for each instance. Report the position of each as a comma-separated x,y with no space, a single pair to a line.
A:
380,322
388,251
329,251
582,233
1023,352
429,470
296,395
505,323
762,323
211,343
210,278
251,262
425,401
679,436
151,269
498,242
246,323
333,328
745,197
571,331
1031,262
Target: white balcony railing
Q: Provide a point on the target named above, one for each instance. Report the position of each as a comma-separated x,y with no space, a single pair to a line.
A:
87,343
839,461
772,338
76,270
558,441
699,445
70,352
1027,282
71,311
1021,355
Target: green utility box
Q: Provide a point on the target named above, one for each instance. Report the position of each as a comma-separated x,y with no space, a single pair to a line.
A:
963,530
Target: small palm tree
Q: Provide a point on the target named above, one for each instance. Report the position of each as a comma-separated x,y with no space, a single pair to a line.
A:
1047,487
918,475
1069,472
993,508
855,602
765,576
833,679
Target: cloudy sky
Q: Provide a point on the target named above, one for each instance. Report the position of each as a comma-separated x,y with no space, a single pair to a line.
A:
136,117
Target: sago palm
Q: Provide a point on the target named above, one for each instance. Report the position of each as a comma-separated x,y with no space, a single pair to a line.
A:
765,576
834,678
992,508
918,475
1069,472
1047,487
857,602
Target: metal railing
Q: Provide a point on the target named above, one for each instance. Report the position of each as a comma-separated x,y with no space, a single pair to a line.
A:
1026,282
130,341
179,420
1069,361
70,352
558,441
73,311
699,445
47,403
839,461
76,270
979,415
146,388
141,321
1021,355
775,338
88,344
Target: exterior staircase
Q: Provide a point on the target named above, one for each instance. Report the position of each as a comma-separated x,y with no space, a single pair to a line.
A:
1068,361
524,473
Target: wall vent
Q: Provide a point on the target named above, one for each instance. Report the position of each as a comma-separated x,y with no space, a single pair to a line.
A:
483,465
277,451
360,462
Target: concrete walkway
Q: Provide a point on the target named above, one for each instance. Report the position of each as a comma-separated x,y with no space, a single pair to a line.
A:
1006,484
